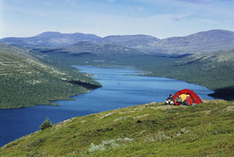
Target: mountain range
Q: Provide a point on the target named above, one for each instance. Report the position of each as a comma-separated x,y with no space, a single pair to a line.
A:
88,47
206,41
29,77
50,39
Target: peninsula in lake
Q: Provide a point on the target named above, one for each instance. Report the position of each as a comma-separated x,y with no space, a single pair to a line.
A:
33,68
40,70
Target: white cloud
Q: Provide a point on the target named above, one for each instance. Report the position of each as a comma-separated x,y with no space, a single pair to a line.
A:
158,18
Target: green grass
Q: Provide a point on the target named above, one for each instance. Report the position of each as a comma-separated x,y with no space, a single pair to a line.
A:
145,130
214,70
28,80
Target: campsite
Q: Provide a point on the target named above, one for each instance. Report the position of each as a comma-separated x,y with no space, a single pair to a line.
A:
116,78
121,87
152,129
133,130
187,93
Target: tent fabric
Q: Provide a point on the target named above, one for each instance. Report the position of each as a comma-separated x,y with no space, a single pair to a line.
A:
195,98
183,96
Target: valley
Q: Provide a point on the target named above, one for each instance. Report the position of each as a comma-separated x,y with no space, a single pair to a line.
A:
210,63
40,70
117,78
27,80
214,70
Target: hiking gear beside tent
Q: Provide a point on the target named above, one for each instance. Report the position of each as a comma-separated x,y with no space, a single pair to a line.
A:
184,92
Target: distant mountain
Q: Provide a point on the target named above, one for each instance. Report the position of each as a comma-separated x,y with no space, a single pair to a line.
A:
51,39
216,58
133,41
206,41
88,47
214,70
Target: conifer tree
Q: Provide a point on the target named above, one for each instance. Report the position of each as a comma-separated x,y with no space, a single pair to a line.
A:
46,124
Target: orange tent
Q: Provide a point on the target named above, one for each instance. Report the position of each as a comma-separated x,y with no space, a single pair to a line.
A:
184,92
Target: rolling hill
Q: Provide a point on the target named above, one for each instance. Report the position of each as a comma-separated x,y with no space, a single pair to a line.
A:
138,42
89,49
28,81
214,70
206,41
217,67
51,39
152,129
94,48
204,58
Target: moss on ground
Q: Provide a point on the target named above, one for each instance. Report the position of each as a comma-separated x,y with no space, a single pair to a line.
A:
145,130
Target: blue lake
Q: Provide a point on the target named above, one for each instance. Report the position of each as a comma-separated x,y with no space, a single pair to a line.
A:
121,88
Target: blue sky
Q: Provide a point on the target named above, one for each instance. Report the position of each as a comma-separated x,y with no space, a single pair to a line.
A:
159,18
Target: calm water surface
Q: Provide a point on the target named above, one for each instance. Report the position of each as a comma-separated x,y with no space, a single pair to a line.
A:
121,88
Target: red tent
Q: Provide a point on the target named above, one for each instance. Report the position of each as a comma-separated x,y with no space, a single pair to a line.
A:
195,98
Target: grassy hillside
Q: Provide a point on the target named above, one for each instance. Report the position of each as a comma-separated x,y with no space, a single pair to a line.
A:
89,48
146,130
27,81
214,70
132,41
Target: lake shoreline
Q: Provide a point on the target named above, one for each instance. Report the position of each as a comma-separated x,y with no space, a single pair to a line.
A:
217,94
154,122
223,93
121,87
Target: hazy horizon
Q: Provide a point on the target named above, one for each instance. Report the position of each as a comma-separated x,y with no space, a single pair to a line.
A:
161,19
107,35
